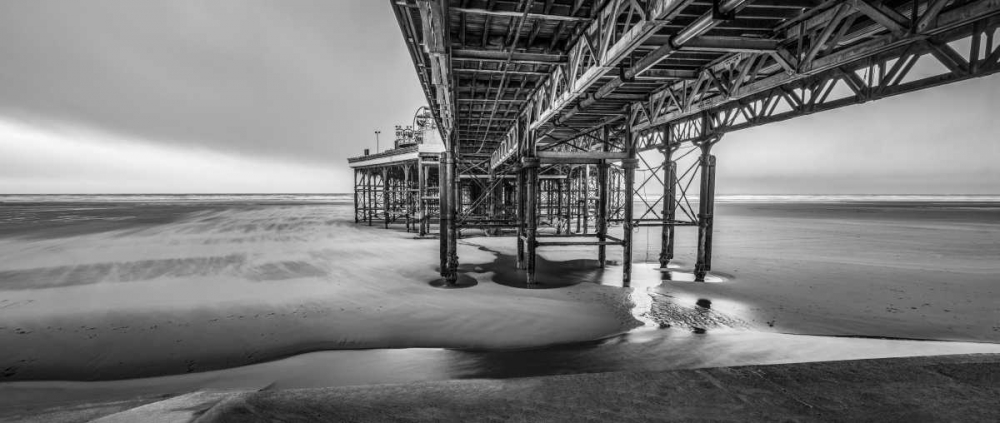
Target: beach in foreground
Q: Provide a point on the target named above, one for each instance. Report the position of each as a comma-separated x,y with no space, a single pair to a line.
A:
941,388
230,295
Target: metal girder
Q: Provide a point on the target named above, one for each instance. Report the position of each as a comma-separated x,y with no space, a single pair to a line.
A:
598,51
667,74
514,14
723,86
878,12
729,44
500,71
497,55
882,76
557,105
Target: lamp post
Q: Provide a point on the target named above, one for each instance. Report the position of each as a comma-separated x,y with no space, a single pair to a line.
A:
376,140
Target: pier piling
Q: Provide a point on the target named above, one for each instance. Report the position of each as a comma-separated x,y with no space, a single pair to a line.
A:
449,230
669,199
531,169
628,165
602,200
706,208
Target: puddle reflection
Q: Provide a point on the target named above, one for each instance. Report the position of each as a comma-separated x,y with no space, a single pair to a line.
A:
637,351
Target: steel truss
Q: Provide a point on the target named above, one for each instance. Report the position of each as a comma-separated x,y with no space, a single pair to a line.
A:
754,89
547,105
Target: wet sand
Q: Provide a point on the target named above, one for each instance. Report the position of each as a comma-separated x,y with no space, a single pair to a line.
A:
225,288
922,389
645,351
215,287
944,388
903,270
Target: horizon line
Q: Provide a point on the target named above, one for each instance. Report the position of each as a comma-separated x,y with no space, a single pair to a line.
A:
350,193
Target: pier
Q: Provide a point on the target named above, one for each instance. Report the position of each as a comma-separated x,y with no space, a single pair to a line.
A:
561,118
400,185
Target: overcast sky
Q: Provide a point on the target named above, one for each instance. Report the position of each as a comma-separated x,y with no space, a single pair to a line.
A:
106,96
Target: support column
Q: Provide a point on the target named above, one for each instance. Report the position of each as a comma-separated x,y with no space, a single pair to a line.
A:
669,203
390,200
389,194
427,191
446,225
579,201
370,195
407,196
602,212
421,204
586,198
602,202
443,215
628,165
706,209
492,204
504,201
567,201
453,204
531,207
385,195
521,197
356,210
551,198
559,205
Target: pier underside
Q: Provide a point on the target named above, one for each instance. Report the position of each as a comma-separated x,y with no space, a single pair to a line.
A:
562,118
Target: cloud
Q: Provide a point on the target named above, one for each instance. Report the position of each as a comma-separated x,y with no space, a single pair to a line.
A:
259,96
308,80
72,159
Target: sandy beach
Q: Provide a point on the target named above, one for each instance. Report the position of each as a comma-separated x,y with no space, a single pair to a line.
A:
952,388
224,288
903,270
939,388
104,302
